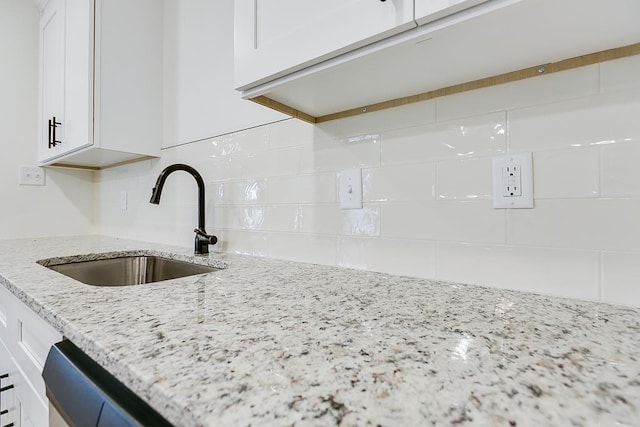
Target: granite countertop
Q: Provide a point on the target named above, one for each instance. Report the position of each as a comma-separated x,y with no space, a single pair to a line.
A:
269,342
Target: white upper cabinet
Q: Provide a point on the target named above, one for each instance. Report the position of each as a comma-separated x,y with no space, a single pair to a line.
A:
101,78
287,35
66,84
52,34
430,10
326,65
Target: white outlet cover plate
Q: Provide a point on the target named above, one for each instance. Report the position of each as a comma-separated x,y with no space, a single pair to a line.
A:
350,188
524,161
31,175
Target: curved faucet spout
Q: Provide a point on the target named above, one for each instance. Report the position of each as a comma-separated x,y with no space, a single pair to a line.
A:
203,240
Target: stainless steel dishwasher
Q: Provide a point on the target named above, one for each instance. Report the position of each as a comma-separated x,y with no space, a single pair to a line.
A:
82,393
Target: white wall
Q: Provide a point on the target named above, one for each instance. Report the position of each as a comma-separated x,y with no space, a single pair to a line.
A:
272,190
65,204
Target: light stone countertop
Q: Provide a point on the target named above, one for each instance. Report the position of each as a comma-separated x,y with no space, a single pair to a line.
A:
269,342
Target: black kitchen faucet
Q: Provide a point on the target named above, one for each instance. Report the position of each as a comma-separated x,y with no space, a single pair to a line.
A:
202,240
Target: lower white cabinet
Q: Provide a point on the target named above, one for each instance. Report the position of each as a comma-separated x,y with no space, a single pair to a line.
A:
25,340
9,406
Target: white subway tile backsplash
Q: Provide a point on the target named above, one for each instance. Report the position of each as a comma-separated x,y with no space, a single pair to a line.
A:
318,188
361,222
292,132
554,87
272,190
469,137
303,248
319,219
415,114
254,140
284,218
621,169
605,224
468,179
569,273
620,74
621,278
224,145
474,221
330,219
219,168
215,217
271,163
239,217
573,173
593,121
243,242
399,182
346,153
250,191
228,217
405,257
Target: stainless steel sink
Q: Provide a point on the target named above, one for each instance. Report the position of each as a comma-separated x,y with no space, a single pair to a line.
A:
129,270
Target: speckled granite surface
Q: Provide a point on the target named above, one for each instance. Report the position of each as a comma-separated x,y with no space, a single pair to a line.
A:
268,342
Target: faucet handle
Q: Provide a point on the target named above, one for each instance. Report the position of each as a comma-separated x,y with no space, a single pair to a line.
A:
204,237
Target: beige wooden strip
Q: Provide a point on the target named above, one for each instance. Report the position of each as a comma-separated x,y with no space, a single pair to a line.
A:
540,70
275,105
567,64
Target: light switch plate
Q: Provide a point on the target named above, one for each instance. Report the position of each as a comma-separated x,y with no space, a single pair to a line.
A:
513,181
31,175
350,188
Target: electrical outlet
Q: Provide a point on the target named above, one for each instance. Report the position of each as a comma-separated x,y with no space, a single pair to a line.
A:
513,181
350,186
31,175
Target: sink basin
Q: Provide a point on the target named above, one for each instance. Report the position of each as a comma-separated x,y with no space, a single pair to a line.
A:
129,270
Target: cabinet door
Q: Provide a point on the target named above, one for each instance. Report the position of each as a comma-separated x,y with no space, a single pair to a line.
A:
66,77
23,405
8,400
33,411
273,38
52,35
430,10
78,74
